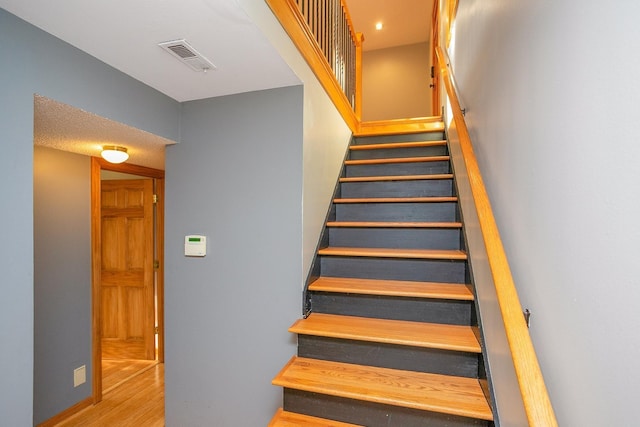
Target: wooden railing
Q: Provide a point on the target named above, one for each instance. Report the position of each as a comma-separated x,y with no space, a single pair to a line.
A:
325,37
331,26
323,33
535,399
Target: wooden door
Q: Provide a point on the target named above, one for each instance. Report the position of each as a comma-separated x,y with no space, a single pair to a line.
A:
435,68
127,283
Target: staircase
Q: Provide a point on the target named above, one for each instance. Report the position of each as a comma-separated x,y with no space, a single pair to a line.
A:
390,337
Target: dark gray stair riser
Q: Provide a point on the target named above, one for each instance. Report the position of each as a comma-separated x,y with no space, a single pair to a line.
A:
429,211
400,238
414,188
382,355
394,269
385,169
384,153
368,413
385,139
393,308
407,238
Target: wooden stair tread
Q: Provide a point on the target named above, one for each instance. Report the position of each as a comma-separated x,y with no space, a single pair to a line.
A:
292,419
437,199
394,253
387,160
392,224
398,332
399,288
396,177
423,391
397,145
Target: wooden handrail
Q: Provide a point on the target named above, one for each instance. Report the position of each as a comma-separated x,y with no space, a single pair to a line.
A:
537,404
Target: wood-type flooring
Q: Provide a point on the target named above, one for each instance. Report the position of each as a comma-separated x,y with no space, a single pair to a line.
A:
137,402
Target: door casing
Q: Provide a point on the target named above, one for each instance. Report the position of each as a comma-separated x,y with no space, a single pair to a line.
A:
97,165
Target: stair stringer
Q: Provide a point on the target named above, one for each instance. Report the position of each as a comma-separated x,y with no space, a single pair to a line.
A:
502,385
323,240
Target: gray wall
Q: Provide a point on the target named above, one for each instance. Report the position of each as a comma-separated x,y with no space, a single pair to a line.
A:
551,90
395,82
42,64
62,279
325,135
236,177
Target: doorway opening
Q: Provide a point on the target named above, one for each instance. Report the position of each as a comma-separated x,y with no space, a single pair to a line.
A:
127,211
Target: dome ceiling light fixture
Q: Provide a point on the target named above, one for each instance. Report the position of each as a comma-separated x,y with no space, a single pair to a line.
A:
114,153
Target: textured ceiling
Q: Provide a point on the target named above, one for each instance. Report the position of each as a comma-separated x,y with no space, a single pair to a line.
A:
63,127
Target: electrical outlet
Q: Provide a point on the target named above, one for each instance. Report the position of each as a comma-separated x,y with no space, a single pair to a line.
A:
79,375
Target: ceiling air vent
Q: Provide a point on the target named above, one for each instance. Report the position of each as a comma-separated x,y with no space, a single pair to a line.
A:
188,55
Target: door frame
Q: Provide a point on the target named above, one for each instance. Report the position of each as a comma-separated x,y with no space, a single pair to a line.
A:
435,42
97,165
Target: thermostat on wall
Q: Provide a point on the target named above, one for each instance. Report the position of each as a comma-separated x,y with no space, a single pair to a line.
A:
195,245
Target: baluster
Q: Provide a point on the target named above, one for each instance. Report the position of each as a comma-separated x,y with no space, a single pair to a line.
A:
345,30
316,14
310,19
333,35
341,52
323,23
325,28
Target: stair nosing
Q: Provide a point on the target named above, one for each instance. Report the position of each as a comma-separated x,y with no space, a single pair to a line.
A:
387,160
379,178
427,290
423,391
443,254
439,336
392,145
394,224
431,199
307,419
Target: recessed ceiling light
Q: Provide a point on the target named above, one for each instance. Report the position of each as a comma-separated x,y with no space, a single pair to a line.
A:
378,26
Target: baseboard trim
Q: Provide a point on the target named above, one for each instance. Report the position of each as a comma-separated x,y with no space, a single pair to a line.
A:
67,413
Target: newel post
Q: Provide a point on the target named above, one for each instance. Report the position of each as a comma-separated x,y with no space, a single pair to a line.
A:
358,100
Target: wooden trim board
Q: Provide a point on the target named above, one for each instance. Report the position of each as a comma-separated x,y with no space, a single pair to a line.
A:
67,413
98,164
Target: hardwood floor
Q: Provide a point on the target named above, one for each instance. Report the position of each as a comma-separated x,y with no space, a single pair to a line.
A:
116,372
137,402
116,349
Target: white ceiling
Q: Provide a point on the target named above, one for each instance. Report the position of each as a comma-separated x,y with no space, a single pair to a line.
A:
404,21
125,34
